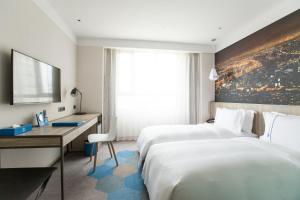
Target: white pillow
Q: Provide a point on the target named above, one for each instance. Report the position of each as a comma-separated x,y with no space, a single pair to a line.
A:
269,120
286,131
248,121
230,119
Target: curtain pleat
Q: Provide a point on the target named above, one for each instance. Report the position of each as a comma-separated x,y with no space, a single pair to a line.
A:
108,90
194,88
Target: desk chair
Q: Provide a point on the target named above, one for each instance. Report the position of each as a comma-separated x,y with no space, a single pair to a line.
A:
95,138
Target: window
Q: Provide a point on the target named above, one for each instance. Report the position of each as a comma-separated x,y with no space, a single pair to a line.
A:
151,89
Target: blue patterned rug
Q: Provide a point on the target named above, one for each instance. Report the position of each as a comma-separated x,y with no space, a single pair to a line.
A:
122,182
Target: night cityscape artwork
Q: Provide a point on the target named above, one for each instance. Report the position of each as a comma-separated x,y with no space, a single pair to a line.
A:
263,68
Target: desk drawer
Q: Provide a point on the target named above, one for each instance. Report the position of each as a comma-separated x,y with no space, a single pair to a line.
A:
78,131
29,142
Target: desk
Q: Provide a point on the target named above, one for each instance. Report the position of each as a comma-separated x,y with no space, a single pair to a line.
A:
51,137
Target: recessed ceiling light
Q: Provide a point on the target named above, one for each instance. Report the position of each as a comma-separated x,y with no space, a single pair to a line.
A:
220,28
213,40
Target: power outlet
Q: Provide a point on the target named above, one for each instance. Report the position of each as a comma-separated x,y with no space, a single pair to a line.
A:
61,109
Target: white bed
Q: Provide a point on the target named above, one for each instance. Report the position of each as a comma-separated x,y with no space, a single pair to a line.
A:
228,169
229,123
170,133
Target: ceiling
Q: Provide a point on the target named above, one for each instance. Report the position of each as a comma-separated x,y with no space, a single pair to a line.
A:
185,21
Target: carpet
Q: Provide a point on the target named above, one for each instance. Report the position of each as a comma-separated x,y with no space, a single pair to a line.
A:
122,182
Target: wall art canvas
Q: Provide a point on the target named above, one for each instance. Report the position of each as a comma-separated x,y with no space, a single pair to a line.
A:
263,68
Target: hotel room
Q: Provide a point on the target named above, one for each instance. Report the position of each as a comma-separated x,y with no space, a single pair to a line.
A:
150,100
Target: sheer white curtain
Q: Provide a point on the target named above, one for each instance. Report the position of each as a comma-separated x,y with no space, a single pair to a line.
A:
195,85
152,88
109,90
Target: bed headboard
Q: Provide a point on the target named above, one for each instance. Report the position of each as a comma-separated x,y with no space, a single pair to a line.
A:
258,124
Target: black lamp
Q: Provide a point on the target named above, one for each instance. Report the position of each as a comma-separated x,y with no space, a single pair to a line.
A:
74,93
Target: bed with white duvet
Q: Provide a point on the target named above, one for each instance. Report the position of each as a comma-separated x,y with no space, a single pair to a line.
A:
228,124
228,169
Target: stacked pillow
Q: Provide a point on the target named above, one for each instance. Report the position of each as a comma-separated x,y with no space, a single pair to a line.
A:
269,118
248,121
282,129
237,120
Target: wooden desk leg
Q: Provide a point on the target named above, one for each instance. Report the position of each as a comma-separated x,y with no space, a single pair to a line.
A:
62,171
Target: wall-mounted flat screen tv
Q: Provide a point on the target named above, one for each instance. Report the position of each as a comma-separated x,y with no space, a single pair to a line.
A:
34,82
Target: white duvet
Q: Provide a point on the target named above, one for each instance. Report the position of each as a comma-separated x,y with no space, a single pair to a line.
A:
229,169
169,133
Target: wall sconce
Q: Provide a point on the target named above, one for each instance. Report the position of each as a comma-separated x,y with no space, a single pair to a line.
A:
75,93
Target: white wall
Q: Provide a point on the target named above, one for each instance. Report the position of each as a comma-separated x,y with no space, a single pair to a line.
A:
89,77
207,93
26,28
122,43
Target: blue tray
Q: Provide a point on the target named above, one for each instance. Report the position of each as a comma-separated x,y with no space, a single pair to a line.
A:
64,124
15,131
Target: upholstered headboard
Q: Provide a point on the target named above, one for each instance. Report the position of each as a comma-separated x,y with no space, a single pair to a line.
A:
259,125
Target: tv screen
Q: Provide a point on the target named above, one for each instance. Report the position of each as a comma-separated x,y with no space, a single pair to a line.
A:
34,81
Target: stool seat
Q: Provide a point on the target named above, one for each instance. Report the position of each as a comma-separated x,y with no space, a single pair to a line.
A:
100,137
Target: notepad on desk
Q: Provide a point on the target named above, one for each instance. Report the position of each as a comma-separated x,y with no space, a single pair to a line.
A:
64,124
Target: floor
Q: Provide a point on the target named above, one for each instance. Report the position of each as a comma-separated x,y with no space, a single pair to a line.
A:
79,186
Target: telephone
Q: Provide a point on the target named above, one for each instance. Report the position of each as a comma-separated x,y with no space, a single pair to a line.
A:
210,120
